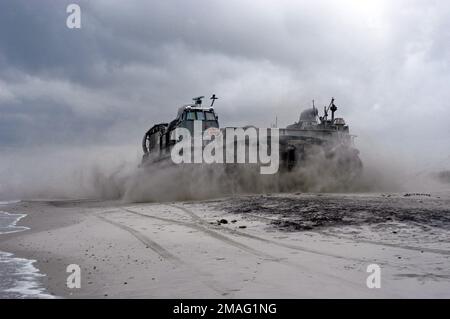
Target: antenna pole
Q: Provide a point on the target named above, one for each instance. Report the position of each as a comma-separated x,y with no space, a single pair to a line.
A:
213,99
333,109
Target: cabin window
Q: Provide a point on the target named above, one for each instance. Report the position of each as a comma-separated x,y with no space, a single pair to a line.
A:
210,116
200,116
190,115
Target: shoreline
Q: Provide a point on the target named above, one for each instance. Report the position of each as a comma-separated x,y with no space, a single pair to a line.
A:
19,278
179,250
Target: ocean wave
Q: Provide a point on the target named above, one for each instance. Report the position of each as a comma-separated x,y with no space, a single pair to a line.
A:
8,202
19,279
8,223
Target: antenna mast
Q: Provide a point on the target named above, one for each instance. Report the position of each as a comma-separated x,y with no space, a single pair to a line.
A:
213,98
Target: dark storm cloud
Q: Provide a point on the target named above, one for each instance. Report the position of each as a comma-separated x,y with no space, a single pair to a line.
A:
134,62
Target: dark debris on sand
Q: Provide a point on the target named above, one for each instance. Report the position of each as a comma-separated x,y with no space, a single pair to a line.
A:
312,212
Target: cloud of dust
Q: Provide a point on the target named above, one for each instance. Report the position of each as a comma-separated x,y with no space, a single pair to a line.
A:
113,173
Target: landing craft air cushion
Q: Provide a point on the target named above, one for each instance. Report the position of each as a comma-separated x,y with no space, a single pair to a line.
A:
312,139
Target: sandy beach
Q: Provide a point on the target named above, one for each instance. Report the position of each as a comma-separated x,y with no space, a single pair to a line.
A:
259,246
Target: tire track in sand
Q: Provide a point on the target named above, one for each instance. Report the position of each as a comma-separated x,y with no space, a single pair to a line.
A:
248,249
366,241
157,248
210,232
265,240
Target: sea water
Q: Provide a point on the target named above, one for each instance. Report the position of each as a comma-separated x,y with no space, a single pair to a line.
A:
18,276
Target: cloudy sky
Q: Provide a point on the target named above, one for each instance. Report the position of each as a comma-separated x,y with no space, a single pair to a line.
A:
133,63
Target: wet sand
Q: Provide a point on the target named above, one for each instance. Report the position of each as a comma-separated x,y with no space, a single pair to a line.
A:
259,246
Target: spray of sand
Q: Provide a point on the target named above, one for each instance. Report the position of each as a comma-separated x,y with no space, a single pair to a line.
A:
111,173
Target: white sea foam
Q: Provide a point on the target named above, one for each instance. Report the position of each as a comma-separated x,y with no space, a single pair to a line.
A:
18,276
8,202
8,223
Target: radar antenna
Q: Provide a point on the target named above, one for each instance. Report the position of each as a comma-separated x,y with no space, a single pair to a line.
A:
198,100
